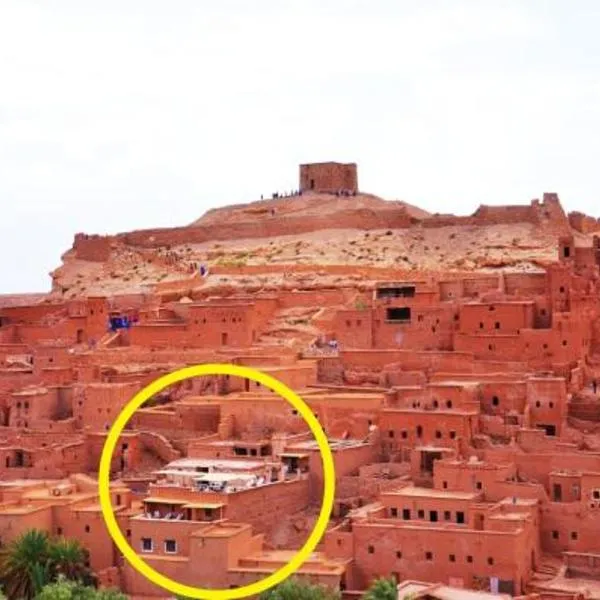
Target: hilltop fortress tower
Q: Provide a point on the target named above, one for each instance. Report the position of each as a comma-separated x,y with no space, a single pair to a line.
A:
328,177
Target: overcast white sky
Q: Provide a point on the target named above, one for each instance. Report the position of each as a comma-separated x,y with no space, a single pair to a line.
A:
123,114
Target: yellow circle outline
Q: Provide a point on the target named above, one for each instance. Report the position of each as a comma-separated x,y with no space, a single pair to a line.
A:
104,482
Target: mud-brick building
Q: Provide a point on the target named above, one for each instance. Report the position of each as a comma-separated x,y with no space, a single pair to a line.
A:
457,535
329,177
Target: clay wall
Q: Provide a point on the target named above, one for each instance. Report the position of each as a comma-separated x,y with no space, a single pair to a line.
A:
383,549
457,362
569,527
409,428
525,284
502,397
127,451
14,523
582,565
94,248
157,419
329,177
477,477
269,227
421,507
428,329
347,462
31,313
260,507
348,417
8,334
495,215
225,325
584,223
159,446
451,290
585,258
34,408
11,380
497,317
354,328
256,414
547,402
314,298
97,405
96,323
477,286
152,335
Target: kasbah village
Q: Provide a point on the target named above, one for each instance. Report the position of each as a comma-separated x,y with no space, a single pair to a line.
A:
453,363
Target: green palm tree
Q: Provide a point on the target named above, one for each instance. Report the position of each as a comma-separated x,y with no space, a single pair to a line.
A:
67,557
382,589
64,589
24,568
294,589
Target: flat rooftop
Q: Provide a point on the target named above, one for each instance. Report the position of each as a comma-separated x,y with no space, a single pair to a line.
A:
418,492
445,592
225,464
333,444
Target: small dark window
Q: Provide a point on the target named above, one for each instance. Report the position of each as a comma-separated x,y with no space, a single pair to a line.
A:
398,554
495,400
435,404
538,403
566,251
447,515
419,431
452,558
147,545
452,435
596,494
479,485
555,535
438,434
87,528
170,546
469,558
490,561
497,324
445,485
448,403
406,514
433,516
574,535
562,289
420,514
371,549
391,433
398,314
551,404
481,325
460,517
394,512
59,531
428,555
128,533
404,434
